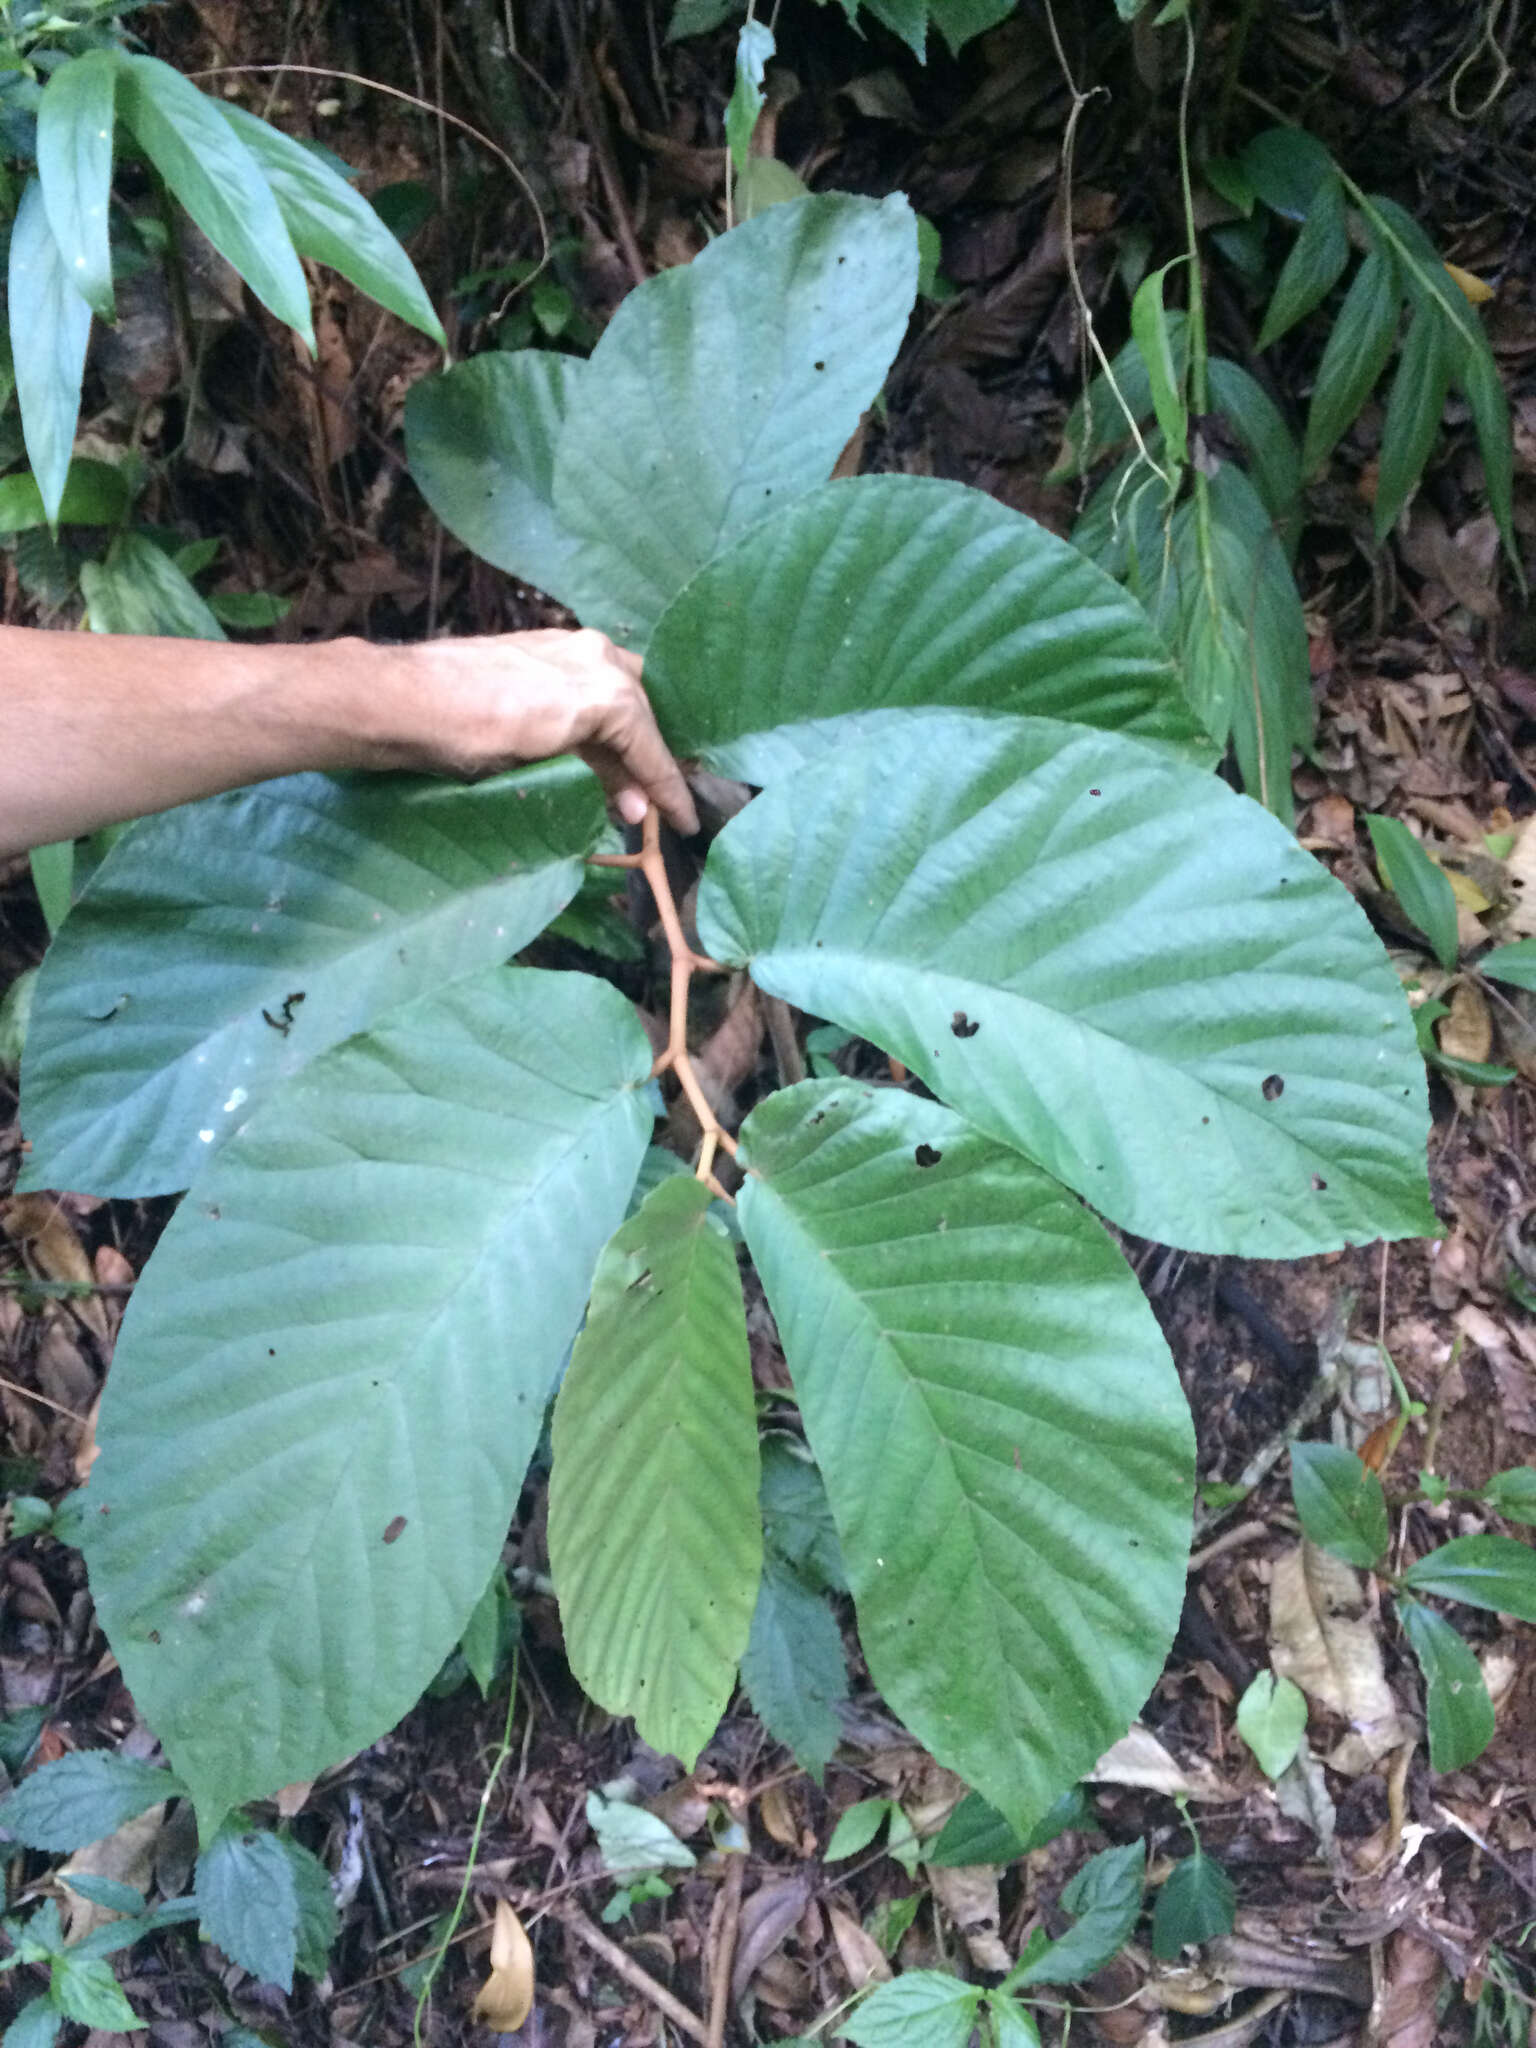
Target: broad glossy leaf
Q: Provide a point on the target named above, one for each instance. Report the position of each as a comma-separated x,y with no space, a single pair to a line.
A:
214,176
1271,1719
139,589
1354,355
793,1667
1196,1903
919,2005
977,1833
1456,1703
1415,405
332,223
1014,1512
1104,958
1420,886
335,1368
1339,1502
1315,264
95,494
248,1900
481,443
218,948
873,596
74,162
654,1536
1105,1896
722,389
1496,1572
50,326
83,1798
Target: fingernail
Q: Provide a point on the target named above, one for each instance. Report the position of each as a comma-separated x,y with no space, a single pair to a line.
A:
632,806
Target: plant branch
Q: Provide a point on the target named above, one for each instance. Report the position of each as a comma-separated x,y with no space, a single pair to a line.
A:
685,964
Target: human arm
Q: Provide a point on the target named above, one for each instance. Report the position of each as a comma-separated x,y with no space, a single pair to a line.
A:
95,728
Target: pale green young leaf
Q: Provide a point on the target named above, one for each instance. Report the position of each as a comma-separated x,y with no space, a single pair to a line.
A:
1513,1493
480,440
1421,886
1414,408
214,176
1104,958
1496,1572
724,388
1196,1903
880,1225
857,1826
50,325
53,877
655,1541
95,494
139,589
74,163
219,947
1456,1703
83,1798
247,1895
1271,1719
629,1838
1514,963
37,2025
1354,355
754,46
86,1991
875,596
335,1368
332,223
1339,1503
793,1667
1105,1897
1150,329
1315,264
919,2005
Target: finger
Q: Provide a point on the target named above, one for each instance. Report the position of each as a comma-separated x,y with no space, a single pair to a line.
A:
632,796
645,761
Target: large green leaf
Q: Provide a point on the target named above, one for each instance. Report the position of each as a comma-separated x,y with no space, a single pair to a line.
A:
654,1535
1103,957
139,589
1339,1503
334,1371
869,597
1004,1442
74,162
220,947
50,325
723,388
481,444
1497,1572
333,224
214,176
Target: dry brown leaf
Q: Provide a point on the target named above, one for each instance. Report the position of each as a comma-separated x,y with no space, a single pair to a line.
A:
1322,1638
778,1817
505,1999
294,1798
1467,1033
863,1962
1407,2015
968,1894
128,1857
1138,1758
768,1919
41,1226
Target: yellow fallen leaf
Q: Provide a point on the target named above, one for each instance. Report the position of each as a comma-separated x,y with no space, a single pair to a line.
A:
1467,1033
1468,895
1475,291
505,1999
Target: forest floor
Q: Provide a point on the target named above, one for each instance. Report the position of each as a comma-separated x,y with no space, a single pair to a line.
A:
1391,1906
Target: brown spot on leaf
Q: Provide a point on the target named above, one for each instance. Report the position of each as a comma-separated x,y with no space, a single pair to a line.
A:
962,1026
395,1529
1273,1088
925,1155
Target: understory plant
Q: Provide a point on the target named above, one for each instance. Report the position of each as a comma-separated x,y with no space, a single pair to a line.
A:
985,840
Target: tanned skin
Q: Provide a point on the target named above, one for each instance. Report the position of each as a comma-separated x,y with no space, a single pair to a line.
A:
96,728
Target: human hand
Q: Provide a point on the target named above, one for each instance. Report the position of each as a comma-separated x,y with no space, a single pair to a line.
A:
497,702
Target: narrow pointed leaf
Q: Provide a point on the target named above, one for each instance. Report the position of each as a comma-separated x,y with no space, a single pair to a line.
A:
1514,964
1014,1512
214,176
481,443
50,327
1414,409
1456,1703
1339,1503
1273,458
1420,886
1104,958
870,597
1354,356
724,388
74,162
332,223
1478,377
220,947
1315,264
1150,327
654,1536
1496,1572
1287,167
335,1368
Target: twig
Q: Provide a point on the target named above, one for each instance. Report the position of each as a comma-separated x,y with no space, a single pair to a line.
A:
623,1965
725,1951
30,1394
685,964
